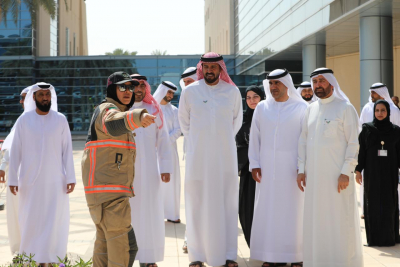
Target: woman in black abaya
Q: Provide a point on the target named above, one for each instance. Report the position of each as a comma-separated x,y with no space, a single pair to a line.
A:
379,157
247,188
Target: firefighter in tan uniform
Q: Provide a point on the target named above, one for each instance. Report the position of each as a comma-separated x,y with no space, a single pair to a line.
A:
108,171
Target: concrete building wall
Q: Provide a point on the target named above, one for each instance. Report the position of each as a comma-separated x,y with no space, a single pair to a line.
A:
42,33
219,26
347,71
396,70
73,19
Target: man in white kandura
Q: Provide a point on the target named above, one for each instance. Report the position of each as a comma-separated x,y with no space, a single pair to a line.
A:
210,115
306,92
14,236
328,151
172,190
274,136
152,167
377,91
42,173
188,77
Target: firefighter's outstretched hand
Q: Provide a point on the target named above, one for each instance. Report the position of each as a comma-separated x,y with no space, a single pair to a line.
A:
147,119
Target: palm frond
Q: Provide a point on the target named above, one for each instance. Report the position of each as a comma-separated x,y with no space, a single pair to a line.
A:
32,7
13,6
15,9
49,6
4,7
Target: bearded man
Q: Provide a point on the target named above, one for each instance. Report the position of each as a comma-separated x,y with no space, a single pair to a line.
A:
42,173
210,115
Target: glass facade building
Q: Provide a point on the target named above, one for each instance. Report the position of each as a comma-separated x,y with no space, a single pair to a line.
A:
80,82
17,38
264,28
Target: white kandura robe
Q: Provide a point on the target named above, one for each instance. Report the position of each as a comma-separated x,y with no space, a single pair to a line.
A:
210,117
277,229
153,157
328,147
172,190
42,151
12,202
367,115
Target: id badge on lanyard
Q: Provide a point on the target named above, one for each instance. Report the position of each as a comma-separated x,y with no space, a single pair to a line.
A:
382,153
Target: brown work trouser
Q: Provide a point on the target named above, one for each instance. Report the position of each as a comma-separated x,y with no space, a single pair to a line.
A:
115,243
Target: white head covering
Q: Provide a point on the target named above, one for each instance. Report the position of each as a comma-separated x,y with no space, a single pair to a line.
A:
283,76
328,74
30,105
305,85
25,91
190,72
162,90
381,90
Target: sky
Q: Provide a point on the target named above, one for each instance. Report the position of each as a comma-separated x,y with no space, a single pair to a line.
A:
145,25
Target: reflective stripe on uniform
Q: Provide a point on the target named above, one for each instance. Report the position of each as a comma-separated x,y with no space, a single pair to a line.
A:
129,118
110,143
108,189
92,156
108,111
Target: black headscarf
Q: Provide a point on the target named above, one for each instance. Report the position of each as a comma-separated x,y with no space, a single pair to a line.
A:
248,115
376,129
112,93
243,136
384,125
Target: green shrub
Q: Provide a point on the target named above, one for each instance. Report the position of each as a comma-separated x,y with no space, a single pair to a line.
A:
25,260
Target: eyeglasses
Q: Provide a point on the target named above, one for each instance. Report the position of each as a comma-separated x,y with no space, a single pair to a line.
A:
124,87
21,97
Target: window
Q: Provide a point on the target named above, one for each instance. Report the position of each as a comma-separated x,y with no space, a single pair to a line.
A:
74,43
227,42
67,42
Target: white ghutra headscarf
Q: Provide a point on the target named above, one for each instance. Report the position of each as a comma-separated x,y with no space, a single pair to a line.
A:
30,105
305,85
283,76
381,90
162,90
328,74
190,72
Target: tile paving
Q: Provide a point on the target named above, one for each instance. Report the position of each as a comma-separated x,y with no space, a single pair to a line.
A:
82,232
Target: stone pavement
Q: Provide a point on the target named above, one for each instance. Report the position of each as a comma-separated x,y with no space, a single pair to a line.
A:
82,232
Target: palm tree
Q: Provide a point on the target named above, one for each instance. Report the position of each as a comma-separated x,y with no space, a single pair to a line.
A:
33,5
159,52
121,52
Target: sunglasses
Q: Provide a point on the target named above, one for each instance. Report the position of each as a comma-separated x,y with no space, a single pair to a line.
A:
21,97
124,87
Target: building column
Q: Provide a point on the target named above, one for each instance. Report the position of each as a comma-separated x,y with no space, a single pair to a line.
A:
314,56
376,54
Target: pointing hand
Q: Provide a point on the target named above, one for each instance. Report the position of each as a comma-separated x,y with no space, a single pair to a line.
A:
147,119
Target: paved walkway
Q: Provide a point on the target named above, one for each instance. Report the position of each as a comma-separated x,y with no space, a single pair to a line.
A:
82,232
